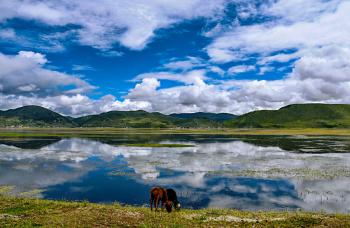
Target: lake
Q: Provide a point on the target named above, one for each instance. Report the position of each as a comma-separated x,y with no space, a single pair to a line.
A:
242,172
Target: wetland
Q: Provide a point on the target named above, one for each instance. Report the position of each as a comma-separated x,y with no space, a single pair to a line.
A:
246,172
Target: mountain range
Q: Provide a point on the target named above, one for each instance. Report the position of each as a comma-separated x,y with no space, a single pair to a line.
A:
36,116
291,116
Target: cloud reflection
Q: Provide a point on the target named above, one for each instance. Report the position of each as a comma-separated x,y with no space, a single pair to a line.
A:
191,170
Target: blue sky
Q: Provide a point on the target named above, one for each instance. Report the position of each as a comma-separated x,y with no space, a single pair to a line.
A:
78,57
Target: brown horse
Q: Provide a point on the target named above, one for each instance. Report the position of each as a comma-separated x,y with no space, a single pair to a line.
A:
160,194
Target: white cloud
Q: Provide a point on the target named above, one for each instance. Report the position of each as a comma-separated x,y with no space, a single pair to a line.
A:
217,70
196,95
187,64
223,55
297,10
311,81
241,69
74,105
323,75
132,23
25,74
312,35
331,63
190,77
281,58
36,57
327,27
145,89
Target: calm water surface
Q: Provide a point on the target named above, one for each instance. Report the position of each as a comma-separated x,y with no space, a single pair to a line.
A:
250,173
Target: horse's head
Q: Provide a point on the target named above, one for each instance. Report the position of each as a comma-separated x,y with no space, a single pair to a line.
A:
177,206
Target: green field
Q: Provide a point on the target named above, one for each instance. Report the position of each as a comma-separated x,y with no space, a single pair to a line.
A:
112,132
21,212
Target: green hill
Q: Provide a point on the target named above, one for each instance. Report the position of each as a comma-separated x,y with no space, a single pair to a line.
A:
123,119
296,116
140,119
205,115
291,116
33,116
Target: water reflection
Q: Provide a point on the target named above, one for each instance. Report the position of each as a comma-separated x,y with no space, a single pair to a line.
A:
234,174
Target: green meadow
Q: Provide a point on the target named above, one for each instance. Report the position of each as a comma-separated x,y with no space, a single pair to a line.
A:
111,132
26,212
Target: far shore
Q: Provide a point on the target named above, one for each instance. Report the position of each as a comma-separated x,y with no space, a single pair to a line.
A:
111,132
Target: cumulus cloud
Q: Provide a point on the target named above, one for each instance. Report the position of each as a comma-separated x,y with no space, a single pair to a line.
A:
25,74
322,75
326,27
311,40
103,23
310,81
195,95
74,105
189,77
331,63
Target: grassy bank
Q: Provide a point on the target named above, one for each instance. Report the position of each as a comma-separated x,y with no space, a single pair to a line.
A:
111,132
35,212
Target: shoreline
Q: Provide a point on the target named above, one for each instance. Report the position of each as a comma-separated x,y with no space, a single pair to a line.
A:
110,132
39,212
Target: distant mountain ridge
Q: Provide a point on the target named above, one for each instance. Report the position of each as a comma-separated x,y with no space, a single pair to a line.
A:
291,116
205,115
296,116
36,116
141,119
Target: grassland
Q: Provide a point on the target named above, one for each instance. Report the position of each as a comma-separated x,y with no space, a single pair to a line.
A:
25,212
112,132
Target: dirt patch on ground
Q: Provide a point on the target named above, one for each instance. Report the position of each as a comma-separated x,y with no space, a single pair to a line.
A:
229,218
8,216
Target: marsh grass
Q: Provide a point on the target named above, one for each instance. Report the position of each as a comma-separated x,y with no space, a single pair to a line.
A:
158,145
112,132
301,173
24,212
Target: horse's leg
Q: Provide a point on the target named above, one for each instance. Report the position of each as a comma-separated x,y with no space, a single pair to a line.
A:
156,202
151,202
163,204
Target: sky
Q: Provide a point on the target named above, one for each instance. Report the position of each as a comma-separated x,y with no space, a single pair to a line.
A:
86,57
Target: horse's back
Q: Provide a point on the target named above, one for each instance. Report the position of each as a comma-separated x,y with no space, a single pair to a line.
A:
156,191
171,194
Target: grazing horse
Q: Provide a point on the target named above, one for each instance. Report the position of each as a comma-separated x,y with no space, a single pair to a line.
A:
173,198
160,194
